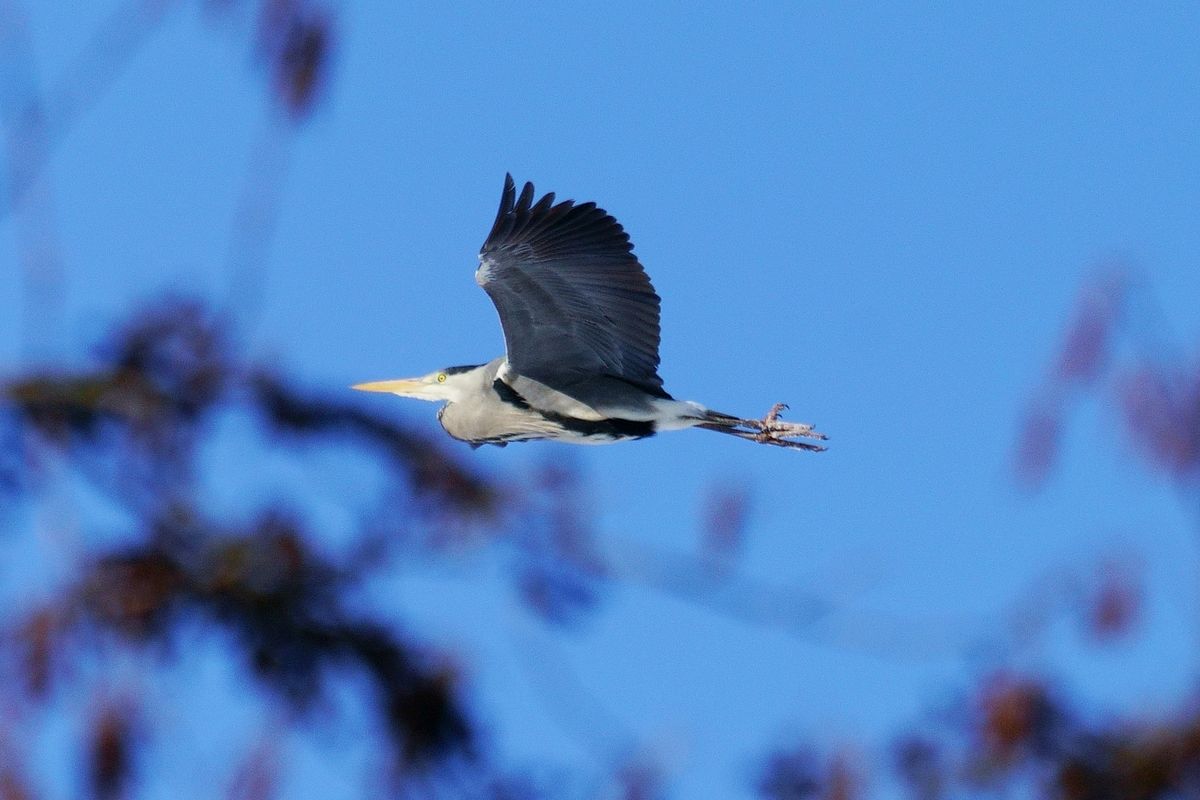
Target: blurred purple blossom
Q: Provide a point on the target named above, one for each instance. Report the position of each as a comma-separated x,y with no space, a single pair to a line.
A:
726,512
1038,443
1161,405
1089,338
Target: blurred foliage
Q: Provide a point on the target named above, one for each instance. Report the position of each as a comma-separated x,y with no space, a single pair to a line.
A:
800,774
1114,348
1018,736
132,426
1016,733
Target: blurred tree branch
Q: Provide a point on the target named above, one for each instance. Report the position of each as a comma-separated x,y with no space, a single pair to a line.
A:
133,427
1014,732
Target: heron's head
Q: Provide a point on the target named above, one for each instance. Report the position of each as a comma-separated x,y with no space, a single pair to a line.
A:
447,384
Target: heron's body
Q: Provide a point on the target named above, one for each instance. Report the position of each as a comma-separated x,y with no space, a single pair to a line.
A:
581,329
507,407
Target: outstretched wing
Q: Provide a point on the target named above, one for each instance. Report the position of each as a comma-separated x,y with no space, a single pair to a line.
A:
573,300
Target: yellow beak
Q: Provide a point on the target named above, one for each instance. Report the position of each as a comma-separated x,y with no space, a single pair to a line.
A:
403,386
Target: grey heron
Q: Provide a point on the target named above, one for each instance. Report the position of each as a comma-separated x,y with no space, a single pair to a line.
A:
581,336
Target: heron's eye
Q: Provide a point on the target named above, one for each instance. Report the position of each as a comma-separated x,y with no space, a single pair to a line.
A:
441,377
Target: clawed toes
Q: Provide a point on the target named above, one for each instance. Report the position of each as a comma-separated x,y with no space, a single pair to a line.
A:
773,430
778,441
774,413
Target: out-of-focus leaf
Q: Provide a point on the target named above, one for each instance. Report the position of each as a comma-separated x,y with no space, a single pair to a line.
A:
110,748
799,774
1038,443
1115,601
919,764
295,38
13,783
1090,334
1162,413
726,512
1015,716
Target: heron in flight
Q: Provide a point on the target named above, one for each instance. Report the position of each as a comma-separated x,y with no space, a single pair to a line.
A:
581,335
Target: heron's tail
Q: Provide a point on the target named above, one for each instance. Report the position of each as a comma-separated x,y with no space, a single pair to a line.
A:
768,430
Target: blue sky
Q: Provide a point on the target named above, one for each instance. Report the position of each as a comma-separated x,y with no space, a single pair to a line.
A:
880,215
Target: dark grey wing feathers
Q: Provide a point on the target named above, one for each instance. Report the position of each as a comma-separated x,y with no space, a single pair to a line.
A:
573,300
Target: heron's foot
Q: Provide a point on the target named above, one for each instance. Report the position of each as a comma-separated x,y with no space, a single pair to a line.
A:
773,430
773,415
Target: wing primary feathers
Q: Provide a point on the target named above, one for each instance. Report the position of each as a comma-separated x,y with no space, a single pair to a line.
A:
542,205
503,215
525,199
572,298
